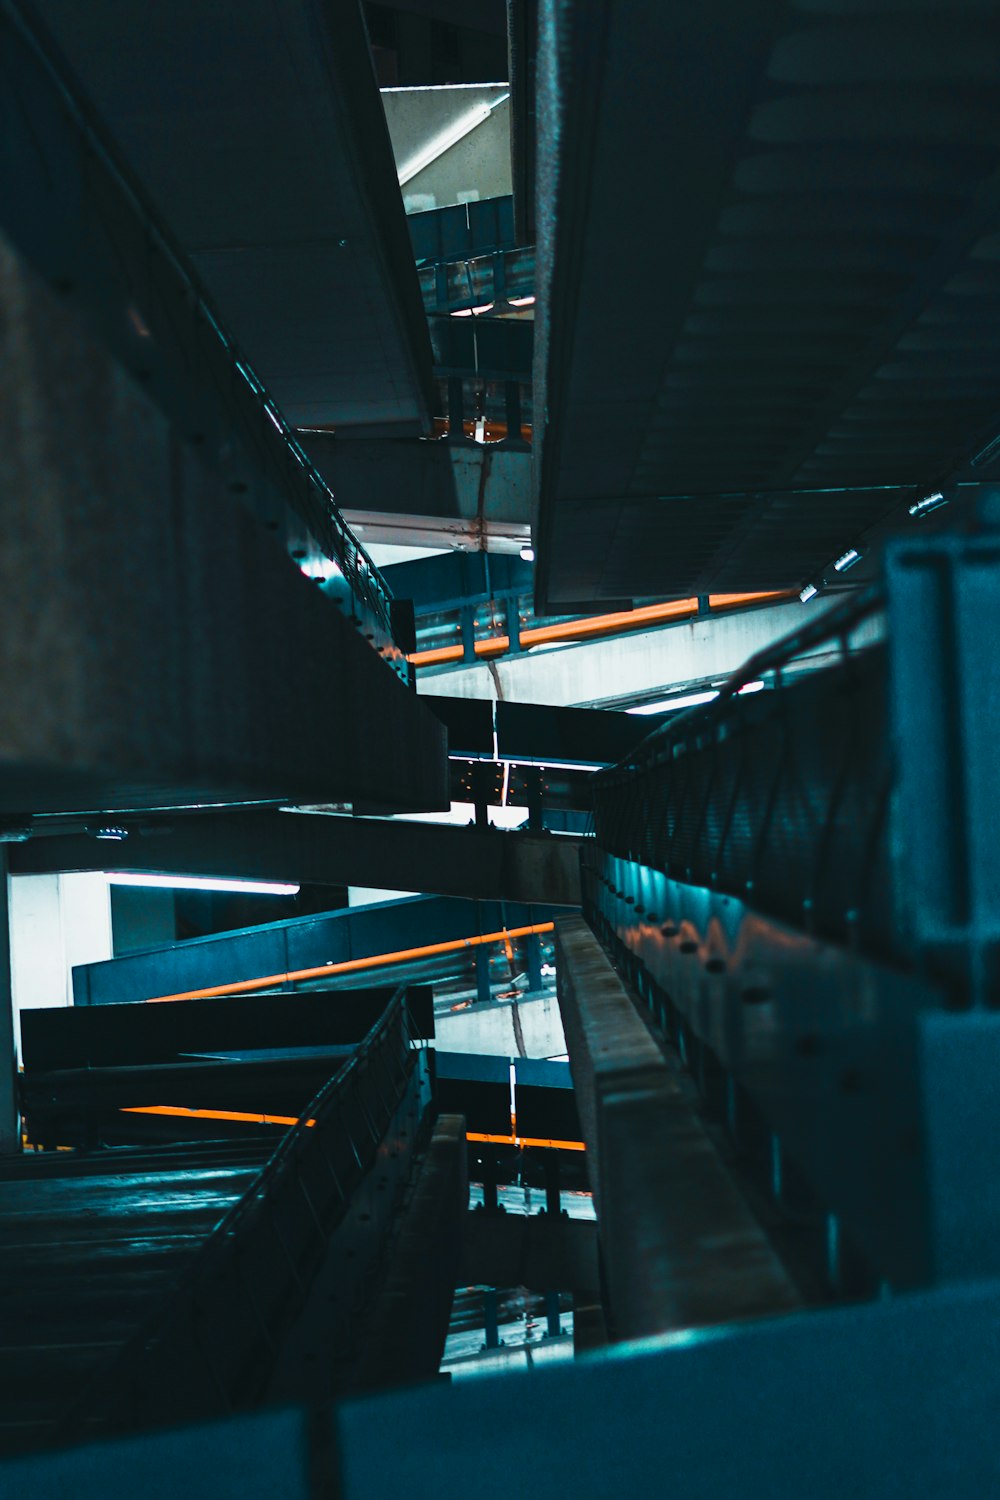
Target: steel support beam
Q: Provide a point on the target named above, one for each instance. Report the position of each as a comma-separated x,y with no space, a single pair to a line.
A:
680,1246
140,668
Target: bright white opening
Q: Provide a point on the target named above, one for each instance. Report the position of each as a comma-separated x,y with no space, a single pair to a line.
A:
461,814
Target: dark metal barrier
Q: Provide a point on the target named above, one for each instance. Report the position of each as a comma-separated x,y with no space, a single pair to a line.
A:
778,797
463,230
279,948
212,1346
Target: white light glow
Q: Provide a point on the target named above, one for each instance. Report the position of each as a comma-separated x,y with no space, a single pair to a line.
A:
521,301
847,560
690,700
809,592
527,553
560,765
321,568
206,883
686,700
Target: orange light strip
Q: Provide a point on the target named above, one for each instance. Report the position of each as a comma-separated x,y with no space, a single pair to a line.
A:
733,601
210,1114
593,626
180,1112
356,965
524,1140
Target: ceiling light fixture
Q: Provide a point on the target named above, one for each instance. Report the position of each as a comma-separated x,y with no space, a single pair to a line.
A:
927,504
809,592
847,560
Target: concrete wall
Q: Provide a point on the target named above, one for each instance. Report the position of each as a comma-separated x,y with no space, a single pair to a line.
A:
491,1029
56,921
477,166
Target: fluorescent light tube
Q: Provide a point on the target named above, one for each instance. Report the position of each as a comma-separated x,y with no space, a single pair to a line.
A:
206,883
927,504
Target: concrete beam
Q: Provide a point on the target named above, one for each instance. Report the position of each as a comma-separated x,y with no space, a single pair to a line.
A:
160,648
680,1246
443,493
320,849
629,667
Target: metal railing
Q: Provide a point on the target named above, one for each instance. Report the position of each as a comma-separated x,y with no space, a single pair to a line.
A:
211,1347
778,797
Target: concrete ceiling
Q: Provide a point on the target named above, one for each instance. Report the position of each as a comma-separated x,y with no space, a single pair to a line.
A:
769,309
258,131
